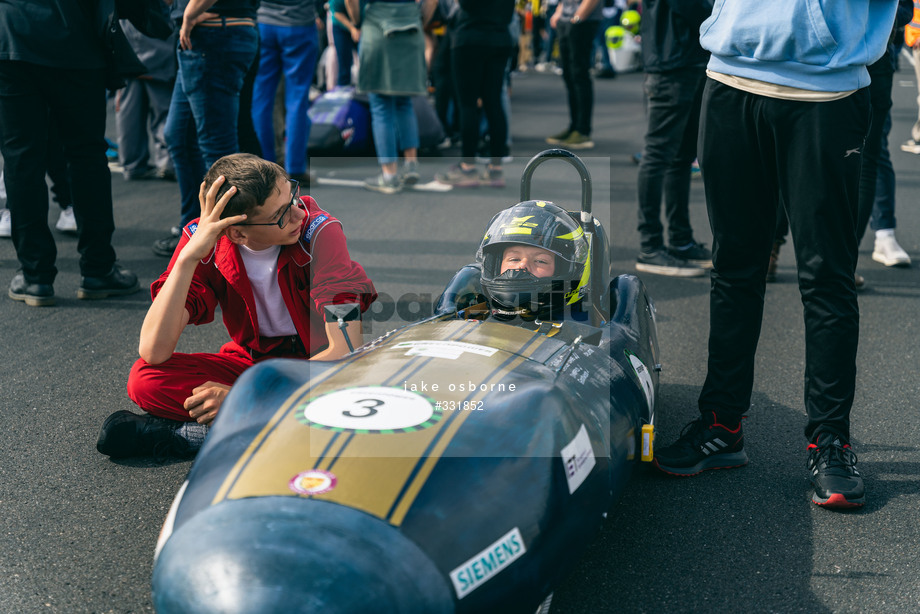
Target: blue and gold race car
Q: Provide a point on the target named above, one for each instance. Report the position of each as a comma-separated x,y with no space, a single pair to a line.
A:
458,464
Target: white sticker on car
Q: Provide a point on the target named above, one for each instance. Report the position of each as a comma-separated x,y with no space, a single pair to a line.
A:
443,349
645,378
578,459
482,567
370,409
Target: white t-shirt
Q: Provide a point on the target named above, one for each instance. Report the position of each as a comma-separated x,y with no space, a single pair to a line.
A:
772,90
271,312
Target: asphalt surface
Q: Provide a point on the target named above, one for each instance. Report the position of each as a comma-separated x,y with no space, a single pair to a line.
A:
77,531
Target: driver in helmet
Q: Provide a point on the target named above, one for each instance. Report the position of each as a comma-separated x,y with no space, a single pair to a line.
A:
535,264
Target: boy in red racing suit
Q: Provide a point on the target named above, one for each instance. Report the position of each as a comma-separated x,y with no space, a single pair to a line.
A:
272,260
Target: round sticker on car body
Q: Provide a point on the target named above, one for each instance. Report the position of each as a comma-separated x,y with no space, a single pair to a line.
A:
370,409
313,482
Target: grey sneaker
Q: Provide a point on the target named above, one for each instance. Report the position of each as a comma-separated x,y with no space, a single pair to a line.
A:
558,139
492,177
577,140
459,177
663,263
409,176
694,253
382,184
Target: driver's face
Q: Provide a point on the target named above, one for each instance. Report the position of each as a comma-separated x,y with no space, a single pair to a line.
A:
535,260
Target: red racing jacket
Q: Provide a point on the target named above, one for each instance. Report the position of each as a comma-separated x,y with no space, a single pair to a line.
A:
314,272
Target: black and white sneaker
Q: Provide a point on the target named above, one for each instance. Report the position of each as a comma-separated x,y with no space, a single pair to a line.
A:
703,444
662,262
694,253
126,434
832,467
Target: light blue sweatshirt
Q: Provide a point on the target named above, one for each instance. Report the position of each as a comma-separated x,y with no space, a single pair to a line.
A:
818,45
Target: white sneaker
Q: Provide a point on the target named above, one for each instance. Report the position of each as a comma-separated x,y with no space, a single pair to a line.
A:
67,222
910,146
6,224
887,251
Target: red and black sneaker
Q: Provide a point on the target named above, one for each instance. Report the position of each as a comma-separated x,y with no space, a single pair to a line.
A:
832,464
703,444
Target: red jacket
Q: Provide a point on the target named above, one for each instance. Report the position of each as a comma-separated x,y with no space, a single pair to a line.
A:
314,272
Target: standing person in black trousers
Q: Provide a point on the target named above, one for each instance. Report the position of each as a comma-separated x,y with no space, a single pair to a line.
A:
784,120
480,48
675,67
576,22
52,65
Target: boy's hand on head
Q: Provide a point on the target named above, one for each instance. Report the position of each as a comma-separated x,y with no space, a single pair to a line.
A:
205,401
210,226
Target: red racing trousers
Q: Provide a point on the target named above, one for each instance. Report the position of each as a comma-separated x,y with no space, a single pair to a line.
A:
162,389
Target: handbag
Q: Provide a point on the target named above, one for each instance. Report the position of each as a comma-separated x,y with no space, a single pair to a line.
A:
150,17
120,60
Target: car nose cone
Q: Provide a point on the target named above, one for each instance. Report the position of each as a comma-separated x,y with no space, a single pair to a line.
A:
289,554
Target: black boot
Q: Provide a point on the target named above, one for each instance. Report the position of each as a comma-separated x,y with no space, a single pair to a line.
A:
118,282
34,295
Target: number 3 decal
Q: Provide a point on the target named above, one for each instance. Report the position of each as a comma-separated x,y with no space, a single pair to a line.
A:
370,410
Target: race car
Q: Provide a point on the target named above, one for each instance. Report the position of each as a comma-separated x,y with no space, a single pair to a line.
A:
457,464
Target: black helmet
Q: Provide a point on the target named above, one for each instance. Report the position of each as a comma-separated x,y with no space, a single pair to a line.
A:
516,292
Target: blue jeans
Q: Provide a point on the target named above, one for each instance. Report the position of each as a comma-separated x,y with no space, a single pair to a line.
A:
883,207
394,125
291,49
345,48
203,112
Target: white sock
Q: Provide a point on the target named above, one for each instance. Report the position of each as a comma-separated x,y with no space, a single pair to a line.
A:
193,433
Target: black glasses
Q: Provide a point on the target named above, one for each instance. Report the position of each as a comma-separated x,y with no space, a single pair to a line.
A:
285,216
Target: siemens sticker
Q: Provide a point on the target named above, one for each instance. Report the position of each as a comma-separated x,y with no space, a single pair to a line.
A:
578,458
483,566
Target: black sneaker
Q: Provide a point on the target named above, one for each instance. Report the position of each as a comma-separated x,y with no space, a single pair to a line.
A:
165,247
126,434
33,295
832,465
143,174
703,444
119,282
459,177
664,263
694,253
